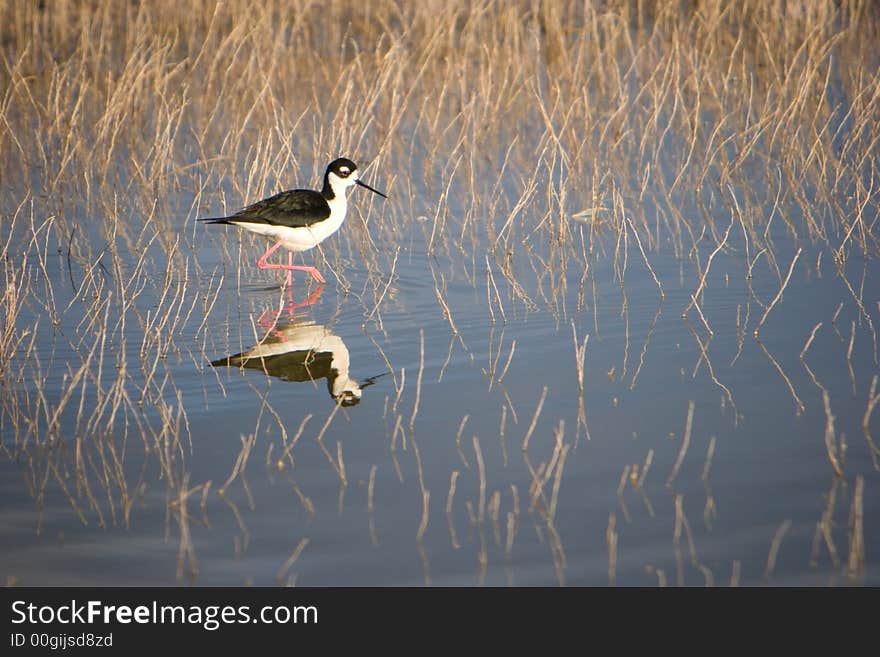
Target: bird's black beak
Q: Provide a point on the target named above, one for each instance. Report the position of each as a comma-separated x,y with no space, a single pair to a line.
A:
375,191
371,380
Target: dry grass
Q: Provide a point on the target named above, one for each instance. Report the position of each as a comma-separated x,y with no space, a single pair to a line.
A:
522,143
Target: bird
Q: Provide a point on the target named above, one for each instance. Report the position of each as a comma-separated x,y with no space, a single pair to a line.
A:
304,351
300,219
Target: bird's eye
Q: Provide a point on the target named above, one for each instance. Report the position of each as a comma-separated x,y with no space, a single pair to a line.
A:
344,171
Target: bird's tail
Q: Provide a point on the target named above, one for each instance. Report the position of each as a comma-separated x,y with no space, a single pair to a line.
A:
215,220
230,361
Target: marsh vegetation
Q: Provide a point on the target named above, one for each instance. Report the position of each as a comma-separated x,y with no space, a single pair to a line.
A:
617,314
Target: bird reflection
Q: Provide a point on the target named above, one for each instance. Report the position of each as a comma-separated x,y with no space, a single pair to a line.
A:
303,351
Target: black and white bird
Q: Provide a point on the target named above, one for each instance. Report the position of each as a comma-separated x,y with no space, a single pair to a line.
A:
300,219
304,351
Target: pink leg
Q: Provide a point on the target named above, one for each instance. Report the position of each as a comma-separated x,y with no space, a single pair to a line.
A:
262,264
308,302
289,271
268,318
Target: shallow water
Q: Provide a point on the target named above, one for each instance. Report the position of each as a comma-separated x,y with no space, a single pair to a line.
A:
540,399
433,414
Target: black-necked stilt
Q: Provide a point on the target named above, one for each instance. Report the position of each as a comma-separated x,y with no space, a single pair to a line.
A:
304,351
300,219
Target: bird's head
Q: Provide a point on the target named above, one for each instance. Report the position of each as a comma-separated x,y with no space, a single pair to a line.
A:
343,173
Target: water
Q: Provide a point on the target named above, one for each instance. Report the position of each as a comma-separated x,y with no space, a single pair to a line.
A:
433,415
536,403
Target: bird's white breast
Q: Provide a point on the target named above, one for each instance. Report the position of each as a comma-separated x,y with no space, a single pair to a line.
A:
308,237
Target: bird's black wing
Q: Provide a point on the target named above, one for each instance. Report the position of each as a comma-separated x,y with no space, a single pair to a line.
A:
302,365
295,208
